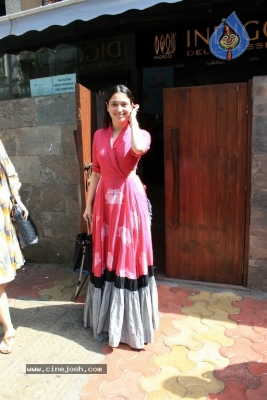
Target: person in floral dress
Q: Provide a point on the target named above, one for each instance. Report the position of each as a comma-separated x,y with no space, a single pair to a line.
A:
121,300
11,257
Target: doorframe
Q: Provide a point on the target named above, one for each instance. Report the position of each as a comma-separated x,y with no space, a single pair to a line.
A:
86,126
248,184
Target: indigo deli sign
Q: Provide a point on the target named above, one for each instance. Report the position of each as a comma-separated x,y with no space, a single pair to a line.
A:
173,45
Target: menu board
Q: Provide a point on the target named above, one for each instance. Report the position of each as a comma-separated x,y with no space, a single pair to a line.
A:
53,85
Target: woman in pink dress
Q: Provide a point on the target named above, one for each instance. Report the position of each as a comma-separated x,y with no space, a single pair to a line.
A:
121,299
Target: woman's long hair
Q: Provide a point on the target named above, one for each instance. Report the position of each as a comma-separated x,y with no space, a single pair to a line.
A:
110,93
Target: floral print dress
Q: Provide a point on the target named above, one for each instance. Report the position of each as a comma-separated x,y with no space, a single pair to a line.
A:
11,257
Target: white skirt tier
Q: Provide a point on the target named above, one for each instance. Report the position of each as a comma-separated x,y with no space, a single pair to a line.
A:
122,315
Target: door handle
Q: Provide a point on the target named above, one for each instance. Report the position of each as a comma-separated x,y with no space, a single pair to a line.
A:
175,152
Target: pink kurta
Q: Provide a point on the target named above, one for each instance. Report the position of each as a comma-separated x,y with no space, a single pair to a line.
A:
122,297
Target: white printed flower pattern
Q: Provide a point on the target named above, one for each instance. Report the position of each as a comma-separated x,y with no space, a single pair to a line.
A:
125,235
109,260
97,258
134,217
143,262
104,231
114,196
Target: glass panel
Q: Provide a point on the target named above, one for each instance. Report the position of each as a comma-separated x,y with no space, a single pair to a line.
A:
16,71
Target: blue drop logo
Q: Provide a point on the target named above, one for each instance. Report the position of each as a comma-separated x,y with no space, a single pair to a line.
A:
230,39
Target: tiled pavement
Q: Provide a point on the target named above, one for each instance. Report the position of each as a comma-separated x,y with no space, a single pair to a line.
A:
211,344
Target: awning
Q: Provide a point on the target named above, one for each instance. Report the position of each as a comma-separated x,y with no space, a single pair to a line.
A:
67,11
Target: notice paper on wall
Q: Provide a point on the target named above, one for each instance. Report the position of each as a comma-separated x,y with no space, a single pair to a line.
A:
53,85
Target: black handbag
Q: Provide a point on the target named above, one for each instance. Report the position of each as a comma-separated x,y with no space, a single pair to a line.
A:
25,228
82,259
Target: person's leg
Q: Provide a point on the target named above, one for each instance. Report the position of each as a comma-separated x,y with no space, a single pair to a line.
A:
9,331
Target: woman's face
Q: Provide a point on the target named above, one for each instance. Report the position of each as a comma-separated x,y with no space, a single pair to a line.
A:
119,107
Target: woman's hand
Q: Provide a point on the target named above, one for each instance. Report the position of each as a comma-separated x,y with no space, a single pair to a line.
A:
133,113
24,210
87,215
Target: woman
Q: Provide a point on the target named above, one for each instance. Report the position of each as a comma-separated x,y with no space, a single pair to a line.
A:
10,254
121,300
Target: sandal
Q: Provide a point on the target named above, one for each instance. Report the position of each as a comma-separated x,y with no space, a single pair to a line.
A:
7,343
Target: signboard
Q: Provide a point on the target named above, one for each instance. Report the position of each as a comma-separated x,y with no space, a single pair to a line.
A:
230,39
154,81
64,83
113,53
41,87
178,44
53,85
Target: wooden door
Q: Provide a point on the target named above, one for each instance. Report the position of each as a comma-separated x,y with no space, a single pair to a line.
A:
88,109
205,155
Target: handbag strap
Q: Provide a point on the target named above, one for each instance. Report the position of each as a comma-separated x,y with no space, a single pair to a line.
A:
88,172
8,183
87,227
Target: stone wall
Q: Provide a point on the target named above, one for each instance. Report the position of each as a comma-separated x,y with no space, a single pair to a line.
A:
257,273
38,136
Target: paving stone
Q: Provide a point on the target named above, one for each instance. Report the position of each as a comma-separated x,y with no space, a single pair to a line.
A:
90,391
193,322
201,296
239,372
195,392
177,358
120,388
125,351
264,357
199,308
112,361
238,350
236,359
261,329
223,304
234,390
173,311
158,346
166,325
55,293
250,302
163,302
184,338
245,331
30,279
164,291
258,368
260,347
202,376
185,291
215,333
164,382
247,315
262,314
220,318
259,393
228,294
210,353
181,296
159,395
144,362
